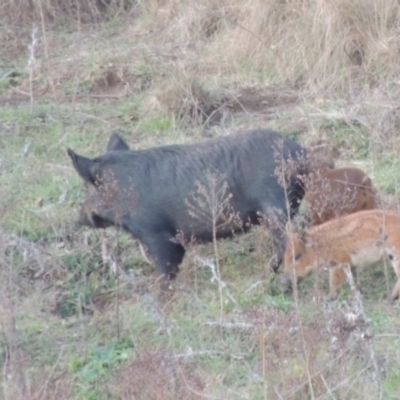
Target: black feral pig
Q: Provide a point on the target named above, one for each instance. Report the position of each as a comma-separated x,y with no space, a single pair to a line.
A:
153,193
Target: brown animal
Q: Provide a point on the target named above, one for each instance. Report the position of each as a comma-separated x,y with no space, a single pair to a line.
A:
331,193
357,240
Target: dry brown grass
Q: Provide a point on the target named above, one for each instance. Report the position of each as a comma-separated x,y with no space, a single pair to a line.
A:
56,11
158,375
334,354
322,45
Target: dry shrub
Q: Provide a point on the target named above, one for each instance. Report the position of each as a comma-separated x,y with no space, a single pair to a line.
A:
192,22
157,375
20,378
331,343
278,335
184,97
33,258
40,388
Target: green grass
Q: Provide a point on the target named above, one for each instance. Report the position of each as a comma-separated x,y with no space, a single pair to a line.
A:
347,136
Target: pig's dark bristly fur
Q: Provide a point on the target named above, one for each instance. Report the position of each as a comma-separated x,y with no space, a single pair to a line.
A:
146,192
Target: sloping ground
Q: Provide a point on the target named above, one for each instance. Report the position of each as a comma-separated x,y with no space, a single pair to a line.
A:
174,72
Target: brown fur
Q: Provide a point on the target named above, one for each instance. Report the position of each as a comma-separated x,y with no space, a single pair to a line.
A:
331,193
358,240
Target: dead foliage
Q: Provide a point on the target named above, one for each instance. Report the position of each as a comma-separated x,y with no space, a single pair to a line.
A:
157,375
33,257
332,344
55,11
40,387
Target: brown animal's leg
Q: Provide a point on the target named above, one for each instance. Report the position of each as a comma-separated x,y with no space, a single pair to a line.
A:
396,291
355,278
337,276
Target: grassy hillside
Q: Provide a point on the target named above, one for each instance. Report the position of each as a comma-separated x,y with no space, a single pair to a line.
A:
71,72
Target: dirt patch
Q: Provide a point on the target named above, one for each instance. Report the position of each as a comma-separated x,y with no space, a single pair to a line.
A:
251,99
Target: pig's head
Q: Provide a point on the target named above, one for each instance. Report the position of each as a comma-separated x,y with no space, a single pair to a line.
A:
101,206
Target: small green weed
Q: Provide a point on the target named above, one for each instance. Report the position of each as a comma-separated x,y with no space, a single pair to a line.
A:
156,124
387,173
93,369
348,136
10,77
87,279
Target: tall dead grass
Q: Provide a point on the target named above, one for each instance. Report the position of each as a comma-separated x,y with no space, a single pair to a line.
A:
326,47
62,11
323,43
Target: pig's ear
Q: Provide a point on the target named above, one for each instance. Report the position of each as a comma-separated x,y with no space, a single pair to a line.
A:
87,169
116,143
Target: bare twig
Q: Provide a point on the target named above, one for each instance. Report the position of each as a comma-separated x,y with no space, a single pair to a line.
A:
189,353
364,330
231,325
146,300
209,263
32,59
